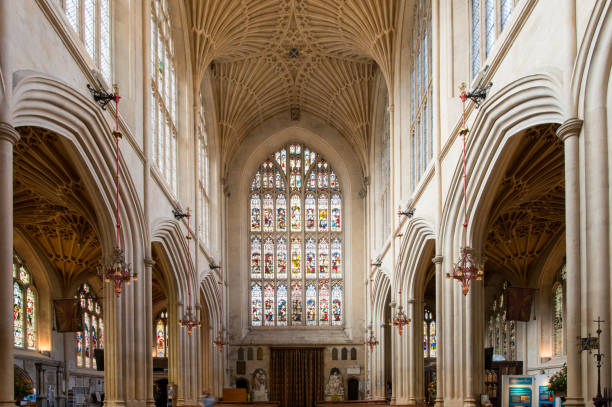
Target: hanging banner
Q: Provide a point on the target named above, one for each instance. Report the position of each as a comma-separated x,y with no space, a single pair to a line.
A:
518,303
68,315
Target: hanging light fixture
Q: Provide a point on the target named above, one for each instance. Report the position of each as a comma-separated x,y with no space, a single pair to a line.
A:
116,269
189,319
219,341
399,319
372,341
467,268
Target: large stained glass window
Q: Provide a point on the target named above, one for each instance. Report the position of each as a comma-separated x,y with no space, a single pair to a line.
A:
160,327
429,334
25,307
557,313
92,336
296,242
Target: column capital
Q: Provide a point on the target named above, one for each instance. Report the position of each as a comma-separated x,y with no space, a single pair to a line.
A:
569,128
437,259
8,133
149,262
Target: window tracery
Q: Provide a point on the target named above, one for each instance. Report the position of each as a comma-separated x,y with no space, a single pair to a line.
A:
25,307
92,335
309,290
91,22
429,334
557,313
501,332
496,14
421,92
160,327
163,93
203,177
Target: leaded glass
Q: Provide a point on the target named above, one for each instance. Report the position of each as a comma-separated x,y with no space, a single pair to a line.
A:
268,305
160,341
432,339
311,305
296,303
281,213
336,258
269,259
79,349
323,211
296,258
268,213
323,302
89,25
296,241
489,25
281,307
425,339
72,13
17,315
86,340
94,339
336,295
281,258
101,333
31,318
255,258
310,259
475,37
323,261
255,213
105,39
506,11
557,322
256,316
309,207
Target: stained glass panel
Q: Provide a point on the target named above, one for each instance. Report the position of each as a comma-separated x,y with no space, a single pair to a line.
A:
323,302
269,259
425,340
255,213
268,213
79,349
432,339
101,333
86,340
309,206
310,259
17,315
336,295
336,258
296,258
311,305
323,208
31,318
296,214
296,303
557,322
268,308
256,316
281,258
281,308
160,342
281,213
323,262
24,276
336,213
94,339
255,258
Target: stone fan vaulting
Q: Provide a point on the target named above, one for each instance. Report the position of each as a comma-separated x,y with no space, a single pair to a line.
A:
273,56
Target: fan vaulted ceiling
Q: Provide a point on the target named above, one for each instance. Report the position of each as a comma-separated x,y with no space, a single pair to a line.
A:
273,56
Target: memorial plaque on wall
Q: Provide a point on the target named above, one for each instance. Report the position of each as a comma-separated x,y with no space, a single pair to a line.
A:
241,367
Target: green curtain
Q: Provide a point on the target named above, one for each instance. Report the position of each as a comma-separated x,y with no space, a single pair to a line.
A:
296,376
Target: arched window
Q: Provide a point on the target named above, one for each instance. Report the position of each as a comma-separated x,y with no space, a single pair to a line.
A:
160,349
421,116
25,307
502,333
91,22
429,334
163,94
557,314
488,20
295,217
203,177
92,335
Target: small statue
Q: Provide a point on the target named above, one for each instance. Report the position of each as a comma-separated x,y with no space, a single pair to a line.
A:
334,389
260,390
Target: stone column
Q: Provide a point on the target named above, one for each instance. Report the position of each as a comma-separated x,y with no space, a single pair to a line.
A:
439,354
569,133
8,138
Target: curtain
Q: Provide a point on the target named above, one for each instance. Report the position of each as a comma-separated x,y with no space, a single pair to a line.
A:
296,376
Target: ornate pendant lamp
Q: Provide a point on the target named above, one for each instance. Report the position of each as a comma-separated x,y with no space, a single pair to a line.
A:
189,319
219,341
467,267
116,269
372,341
